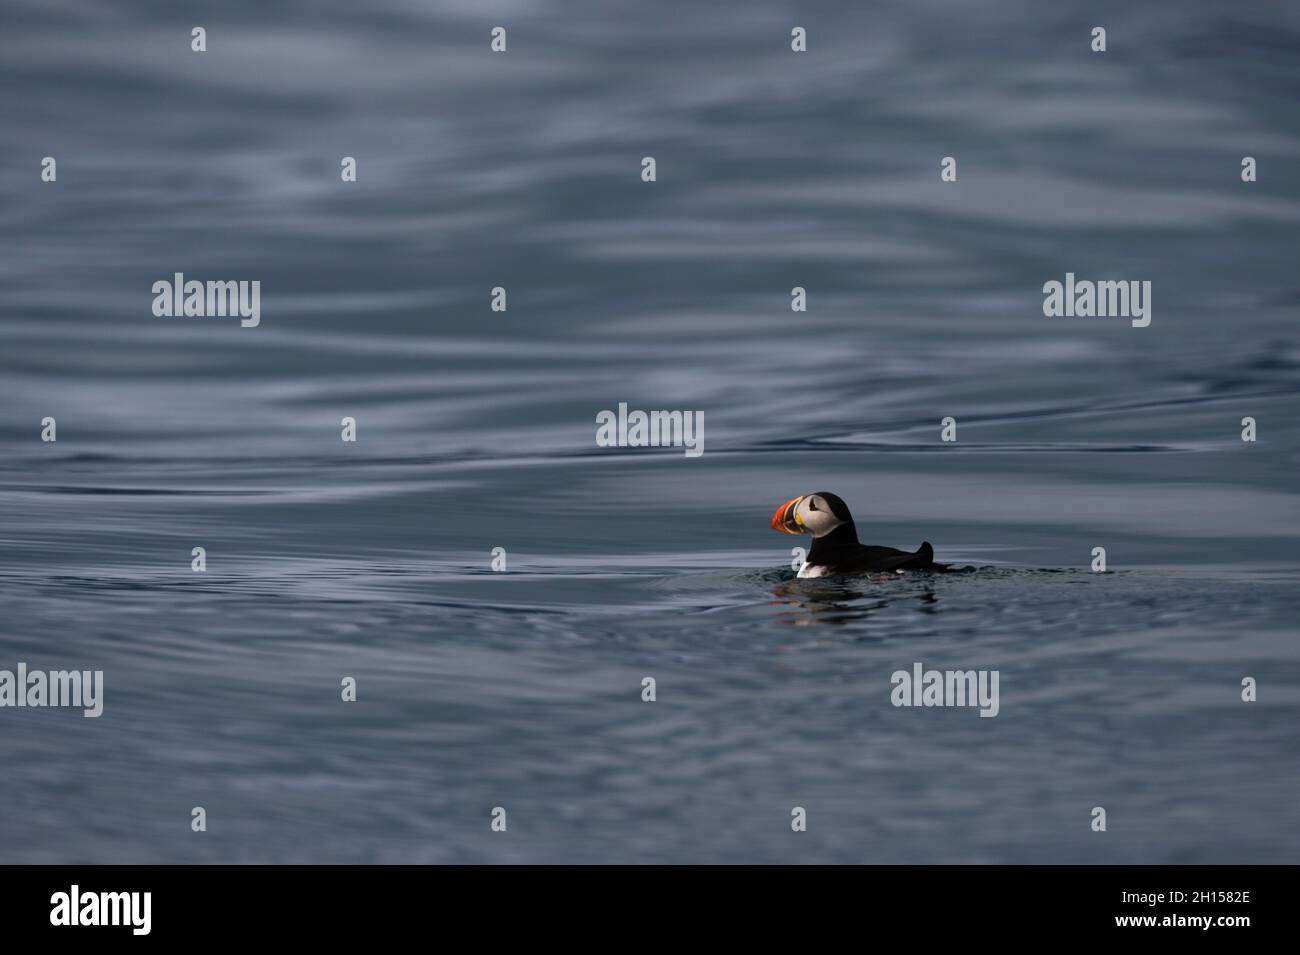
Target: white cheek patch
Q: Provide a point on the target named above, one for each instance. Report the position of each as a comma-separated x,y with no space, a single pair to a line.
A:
819,522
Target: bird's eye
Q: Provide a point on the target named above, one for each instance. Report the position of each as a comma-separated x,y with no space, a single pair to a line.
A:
812,504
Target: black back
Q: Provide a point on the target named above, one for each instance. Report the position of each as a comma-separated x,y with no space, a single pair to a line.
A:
840,548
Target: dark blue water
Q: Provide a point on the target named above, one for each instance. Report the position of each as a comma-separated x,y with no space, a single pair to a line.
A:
476,430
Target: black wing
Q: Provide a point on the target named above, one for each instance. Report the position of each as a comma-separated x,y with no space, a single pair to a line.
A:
875,560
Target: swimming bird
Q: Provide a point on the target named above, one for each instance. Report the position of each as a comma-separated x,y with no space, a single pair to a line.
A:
835,548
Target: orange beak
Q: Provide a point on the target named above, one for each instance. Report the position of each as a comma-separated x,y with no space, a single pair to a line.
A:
785,521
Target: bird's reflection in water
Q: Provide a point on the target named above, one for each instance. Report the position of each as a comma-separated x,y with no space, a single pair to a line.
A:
800,603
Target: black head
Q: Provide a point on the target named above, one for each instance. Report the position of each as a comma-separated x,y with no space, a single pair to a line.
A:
821,514
837,505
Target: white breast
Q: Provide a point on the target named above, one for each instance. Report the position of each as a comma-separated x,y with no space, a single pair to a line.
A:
814,570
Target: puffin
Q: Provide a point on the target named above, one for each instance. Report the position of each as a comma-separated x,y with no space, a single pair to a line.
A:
835,549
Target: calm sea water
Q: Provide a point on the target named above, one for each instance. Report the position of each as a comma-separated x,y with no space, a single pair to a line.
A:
476,430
